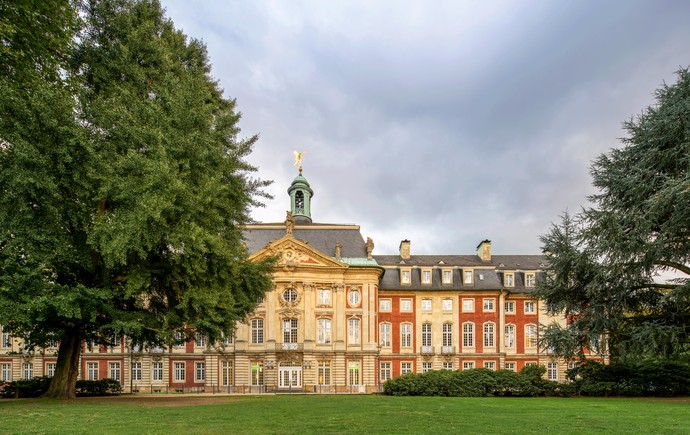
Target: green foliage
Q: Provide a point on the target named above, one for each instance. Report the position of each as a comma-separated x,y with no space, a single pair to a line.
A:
604,260
23,388
101,387
124,186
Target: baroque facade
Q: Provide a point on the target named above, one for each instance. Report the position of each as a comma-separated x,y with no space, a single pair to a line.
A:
340,319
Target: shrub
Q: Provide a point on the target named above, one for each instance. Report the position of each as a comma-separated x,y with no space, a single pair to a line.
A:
102,387
22,388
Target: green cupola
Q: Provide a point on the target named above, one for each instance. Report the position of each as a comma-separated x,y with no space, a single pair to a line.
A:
300,198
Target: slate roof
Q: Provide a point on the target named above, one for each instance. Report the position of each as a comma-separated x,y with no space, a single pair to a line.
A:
322,237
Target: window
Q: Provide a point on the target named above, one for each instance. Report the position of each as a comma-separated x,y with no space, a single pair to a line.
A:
290,295
447,305
323,331
508,280
468,365
179,339
447,334
28,369
257,331
529,280
92,371
489,305
489,333
468,305
200,371
353,372
530,307
199,340
491,365
468,276
50,369
385,305
5,372
405,305
426,277
157,371
385,371
227,340
468,334
426,335
426,367
509,307
353,297
289,330
530,335
510,336
257,373
324,297
353,330
226,373
447,365
324,373
6,340
136,371
114,371
179,372
447,276
405,368
385,336
405,277
552,371
405,335
510,366
426,304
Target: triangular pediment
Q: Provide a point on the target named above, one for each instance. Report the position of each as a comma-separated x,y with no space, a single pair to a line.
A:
294,252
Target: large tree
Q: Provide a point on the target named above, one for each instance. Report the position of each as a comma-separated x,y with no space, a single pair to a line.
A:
123,198
606,261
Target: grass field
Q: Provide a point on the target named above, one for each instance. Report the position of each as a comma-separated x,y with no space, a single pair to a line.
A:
344,414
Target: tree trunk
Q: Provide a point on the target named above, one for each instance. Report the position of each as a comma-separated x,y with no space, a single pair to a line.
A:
64,382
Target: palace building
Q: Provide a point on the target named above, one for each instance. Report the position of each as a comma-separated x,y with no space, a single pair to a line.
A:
339,319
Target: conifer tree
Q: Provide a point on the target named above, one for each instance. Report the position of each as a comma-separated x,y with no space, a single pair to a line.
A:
123,197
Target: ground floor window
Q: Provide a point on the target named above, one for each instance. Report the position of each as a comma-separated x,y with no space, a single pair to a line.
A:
115,371
405,367
447,365
490,365
552,371
226,373
426,366
50,369
257,373
28,370
385,371
179,371
510,366
136,371
92,371
468,365
324,373
157,371
200,371
353,372
5,372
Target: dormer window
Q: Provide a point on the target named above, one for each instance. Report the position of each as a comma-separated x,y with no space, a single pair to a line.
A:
426,276
509,279
468,274
405,277
447,276
529,280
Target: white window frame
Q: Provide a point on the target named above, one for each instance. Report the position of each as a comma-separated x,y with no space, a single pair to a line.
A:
427,366
405,305
115,370
552,371
468,305
157,371
489,305
323,331
510,366
6,371
6,338
324,297
50,369
385,371
92,371
531,336
509,307
447,304
530,279
406,335
468,276
447,276
290,330
426,334
467,365
256,370
468,334
427,305
353,330
354,297
257,331
510,336
200,371
385,305
447,337
385,329
136,371
405,276
405,367
179,371
509,279
490,365
354,373
489,329
447,365
324,373
530,307
199,340
426,276
27,370
226,369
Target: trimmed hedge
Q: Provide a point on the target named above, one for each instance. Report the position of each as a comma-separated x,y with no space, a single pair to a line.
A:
35,387
589,379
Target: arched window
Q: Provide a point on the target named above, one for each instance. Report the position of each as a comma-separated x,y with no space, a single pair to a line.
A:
405,335
385,336
489,334
531,336
510,336
468,334
323,331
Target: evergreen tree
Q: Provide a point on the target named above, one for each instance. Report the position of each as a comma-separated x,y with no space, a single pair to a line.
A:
121,214
604,262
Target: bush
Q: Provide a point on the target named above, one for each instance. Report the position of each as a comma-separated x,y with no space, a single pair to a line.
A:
34,387
102,387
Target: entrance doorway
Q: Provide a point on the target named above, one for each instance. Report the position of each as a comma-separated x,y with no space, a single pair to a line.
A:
290,375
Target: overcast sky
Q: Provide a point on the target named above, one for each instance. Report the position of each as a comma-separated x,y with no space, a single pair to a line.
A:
442,122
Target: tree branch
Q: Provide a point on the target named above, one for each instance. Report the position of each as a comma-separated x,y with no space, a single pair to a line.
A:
678,266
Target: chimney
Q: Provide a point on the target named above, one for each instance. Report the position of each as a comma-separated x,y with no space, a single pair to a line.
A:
484,250
405,249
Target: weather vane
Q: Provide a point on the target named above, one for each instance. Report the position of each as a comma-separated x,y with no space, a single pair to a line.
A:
298,159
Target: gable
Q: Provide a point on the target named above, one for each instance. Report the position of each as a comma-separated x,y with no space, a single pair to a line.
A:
293,252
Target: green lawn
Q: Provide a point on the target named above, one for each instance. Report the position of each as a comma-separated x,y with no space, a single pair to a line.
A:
345,414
